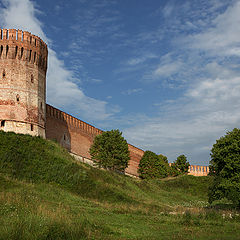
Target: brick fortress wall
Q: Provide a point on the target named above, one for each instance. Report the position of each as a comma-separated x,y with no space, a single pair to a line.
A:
23,66
77,136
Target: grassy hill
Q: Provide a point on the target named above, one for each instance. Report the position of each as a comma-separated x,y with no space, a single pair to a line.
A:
46,194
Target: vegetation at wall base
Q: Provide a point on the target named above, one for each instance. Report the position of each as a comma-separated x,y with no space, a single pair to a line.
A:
110,150
225,168
157,166
81,202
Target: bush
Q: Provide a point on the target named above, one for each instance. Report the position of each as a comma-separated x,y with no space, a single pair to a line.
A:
225,167
152,166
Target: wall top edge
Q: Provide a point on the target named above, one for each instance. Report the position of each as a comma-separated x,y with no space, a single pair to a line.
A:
88,124
73,117
19,35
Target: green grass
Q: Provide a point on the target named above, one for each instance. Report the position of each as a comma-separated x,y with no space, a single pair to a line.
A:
46,194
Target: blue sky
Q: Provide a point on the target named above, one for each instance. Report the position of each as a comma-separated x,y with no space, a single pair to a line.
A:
165,72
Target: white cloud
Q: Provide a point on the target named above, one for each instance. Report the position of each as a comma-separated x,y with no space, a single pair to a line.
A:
142,59
132,91
168,9
62,92
223,37
135,61
167,69
20,14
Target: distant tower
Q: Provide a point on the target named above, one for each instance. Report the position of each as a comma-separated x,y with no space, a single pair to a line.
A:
23,67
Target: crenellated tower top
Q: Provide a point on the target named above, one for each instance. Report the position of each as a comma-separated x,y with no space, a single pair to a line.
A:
23,67
22,45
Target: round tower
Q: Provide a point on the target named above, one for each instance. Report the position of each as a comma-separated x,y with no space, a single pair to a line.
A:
23,67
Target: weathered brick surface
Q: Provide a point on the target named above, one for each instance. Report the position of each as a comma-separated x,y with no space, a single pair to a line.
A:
23,66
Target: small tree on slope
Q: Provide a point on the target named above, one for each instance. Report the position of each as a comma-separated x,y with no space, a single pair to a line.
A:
110,150
225,167
152,166
182,164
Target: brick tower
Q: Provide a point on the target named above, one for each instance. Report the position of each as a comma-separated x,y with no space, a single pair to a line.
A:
23,67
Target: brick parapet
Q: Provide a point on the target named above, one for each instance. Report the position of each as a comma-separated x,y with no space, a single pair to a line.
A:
197,170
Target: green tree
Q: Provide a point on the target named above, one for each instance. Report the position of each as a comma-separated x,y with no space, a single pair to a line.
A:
182,164
163,158
225,167
110,150
152,166
173,170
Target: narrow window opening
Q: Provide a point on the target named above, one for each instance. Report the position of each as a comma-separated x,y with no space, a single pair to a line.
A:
1,51
31,127
18,98
7,50
31,39
34,57
30,55
35,42
2,123
64,137
7,34
21,52
4,74
16,51
41,105
32,79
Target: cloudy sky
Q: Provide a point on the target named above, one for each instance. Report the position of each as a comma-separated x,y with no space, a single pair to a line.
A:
165,72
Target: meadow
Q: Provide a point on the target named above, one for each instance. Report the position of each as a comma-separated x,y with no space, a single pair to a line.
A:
46,194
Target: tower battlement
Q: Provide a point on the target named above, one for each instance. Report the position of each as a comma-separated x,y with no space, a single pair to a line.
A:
21,45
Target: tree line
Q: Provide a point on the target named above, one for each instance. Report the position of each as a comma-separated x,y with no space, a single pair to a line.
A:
110,151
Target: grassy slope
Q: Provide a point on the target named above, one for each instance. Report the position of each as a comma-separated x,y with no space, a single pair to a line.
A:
45,194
